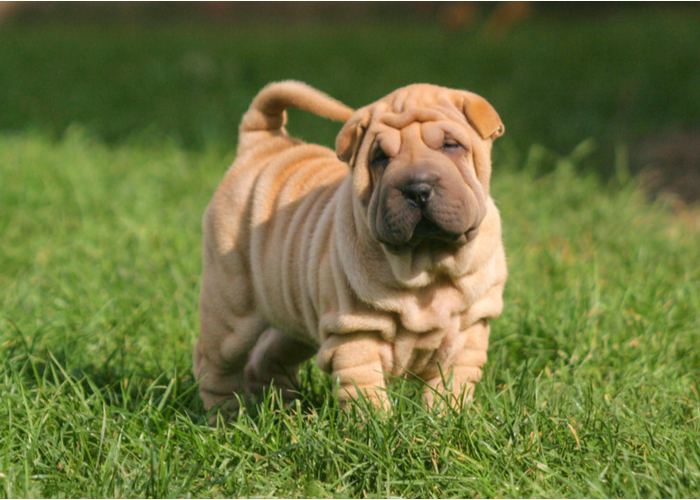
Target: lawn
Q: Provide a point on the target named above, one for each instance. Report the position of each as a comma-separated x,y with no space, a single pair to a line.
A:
112,142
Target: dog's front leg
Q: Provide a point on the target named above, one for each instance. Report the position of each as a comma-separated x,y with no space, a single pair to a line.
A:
357,362
462,369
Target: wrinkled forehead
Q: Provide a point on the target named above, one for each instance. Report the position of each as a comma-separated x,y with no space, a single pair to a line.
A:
428,116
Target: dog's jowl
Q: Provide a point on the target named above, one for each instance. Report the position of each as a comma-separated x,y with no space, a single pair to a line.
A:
383,258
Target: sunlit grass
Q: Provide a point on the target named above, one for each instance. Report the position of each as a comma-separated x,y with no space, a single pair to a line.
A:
591,388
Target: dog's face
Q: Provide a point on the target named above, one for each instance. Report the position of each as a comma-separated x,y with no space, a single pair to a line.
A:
421,166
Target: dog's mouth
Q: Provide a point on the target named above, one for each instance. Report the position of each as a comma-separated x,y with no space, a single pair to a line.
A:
441,216
428,233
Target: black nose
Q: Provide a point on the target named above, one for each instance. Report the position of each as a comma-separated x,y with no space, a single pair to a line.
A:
417,193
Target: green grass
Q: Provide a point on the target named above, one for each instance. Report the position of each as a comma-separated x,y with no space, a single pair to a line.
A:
555,83
591,389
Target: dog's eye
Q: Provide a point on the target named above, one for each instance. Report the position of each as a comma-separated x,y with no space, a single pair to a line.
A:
379,158
451,145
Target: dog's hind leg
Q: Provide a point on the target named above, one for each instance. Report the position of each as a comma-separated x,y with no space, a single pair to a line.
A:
220,356
276,359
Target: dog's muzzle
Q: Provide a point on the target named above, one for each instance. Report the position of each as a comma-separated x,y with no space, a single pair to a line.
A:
423,208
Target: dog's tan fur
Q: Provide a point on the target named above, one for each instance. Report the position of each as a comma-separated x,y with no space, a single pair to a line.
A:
293,263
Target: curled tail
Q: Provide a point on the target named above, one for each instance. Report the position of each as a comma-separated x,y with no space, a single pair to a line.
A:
267,112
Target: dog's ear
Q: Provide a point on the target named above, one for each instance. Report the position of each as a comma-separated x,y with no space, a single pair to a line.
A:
350,137
482,116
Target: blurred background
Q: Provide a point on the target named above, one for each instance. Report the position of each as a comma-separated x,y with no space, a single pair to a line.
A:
616,84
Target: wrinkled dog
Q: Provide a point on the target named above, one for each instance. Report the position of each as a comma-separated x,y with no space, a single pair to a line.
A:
383,257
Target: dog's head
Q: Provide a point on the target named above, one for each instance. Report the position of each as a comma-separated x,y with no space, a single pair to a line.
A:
421,160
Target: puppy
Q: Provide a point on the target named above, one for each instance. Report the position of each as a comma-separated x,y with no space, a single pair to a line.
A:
384,257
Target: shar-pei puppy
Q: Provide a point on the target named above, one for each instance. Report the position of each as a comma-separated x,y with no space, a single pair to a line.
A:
384,257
